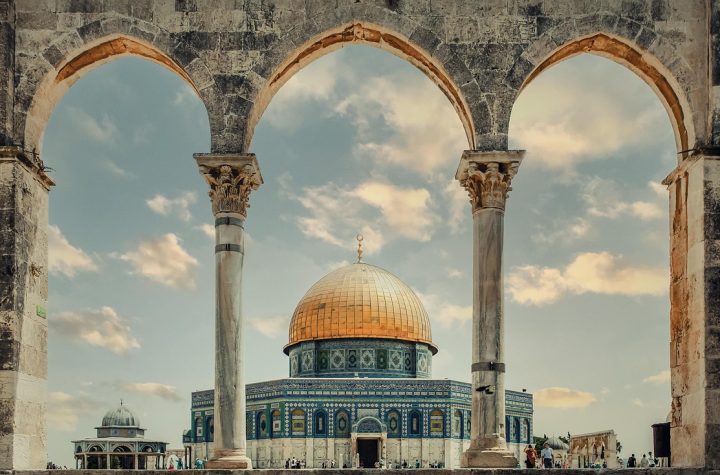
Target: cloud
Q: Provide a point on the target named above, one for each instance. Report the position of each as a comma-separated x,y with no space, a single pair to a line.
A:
64,258
602,198
458,204
316,82
562,398
179,206
184,96
379,211
163,391
445,313
563,231
638,402
207,229
427,135
102,130
102,328
454,273
271,327
563,123
63,410
163,260
115,169
659,378
593,272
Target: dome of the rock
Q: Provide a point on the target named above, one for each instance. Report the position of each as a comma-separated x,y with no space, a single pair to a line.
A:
360,301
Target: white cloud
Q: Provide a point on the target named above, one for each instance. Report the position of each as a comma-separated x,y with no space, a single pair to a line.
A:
179,206
115,169
337,214
459,206
63,410
660,190
427,134
316,82
562,124
405,210
184,95
594,272
602,198
163,391
445,313
64,258
638,402
454,273
271,327
164,260
563,398
102,130
207,229
564,231
102,328
659,378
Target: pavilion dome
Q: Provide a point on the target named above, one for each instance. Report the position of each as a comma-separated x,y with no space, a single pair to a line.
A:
120,417
360,301
557,444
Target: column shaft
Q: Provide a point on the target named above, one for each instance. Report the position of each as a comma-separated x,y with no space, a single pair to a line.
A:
487,177
231,179
229,367
488,416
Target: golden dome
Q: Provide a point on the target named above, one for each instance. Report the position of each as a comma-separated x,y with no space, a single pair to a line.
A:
360,301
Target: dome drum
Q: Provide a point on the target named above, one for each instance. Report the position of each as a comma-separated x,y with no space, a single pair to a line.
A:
362,357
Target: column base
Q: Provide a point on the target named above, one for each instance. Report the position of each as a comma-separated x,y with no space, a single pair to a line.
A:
488,458
230,459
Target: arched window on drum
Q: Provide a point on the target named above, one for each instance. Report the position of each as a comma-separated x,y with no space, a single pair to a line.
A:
437,423
297,427
394,425
342,424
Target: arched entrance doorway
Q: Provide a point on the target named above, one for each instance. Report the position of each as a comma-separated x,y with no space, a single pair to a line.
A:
368,439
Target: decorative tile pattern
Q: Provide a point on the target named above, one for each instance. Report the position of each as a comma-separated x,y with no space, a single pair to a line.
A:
367,359
337,359
307,361
396,360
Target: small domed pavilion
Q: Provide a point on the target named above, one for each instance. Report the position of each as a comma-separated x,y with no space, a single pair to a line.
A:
120,443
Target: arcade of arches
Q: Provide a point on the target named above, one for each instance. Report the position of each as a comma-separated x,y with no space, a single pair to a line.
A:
480,54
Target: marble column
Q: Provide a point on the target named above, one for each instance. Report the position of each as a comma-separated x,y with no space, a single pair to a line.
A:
231,178
487,176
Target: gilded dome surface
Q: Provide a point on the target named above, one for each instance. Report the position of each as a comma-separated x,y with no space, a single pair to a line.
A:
360,301
120,417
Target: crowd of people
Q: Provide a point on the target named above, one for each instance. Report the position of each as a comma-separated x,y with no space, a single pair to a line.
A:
546,459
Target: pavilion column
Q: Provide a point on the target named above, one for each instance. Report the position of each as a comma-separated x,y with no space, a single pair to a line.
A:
487,176
231,178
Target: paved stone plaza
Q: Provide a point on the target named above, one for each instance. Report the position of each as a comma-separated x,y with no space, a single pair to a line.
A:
237,54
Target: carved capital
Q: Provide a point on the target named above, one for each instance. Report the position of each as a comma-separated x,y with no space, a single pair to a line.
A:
487,176
231,178
30,161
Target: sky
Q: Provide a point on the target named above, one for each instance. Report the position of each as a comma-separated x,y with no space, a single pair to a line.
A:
359,141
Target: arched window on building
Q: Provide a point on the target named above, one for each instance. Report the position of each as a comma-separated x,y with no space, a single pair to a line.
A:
437,423
394,427
457,424
415,423
342,424
210,428
516,430
276,427
320,421
261,426
297,427
198,429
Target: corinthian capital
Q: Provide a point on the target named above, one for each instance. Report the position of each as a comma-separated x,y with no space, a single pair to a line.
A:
231,179
487,176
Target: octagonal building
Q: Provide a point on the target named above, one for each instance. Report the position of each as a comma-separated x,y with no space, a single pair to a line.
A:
359,390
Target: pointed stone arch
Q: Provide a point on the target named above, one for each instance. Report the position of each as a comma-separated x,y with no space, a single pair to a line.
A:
631,44
423,49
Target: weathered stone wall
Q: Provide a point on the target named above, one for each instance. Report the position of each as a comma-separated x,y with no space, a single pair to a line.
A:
233,50
7,62
237,53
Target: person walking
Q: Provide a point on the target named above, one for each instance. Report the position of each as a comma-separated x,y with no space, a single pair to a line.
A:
530,456
547,455
632,461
